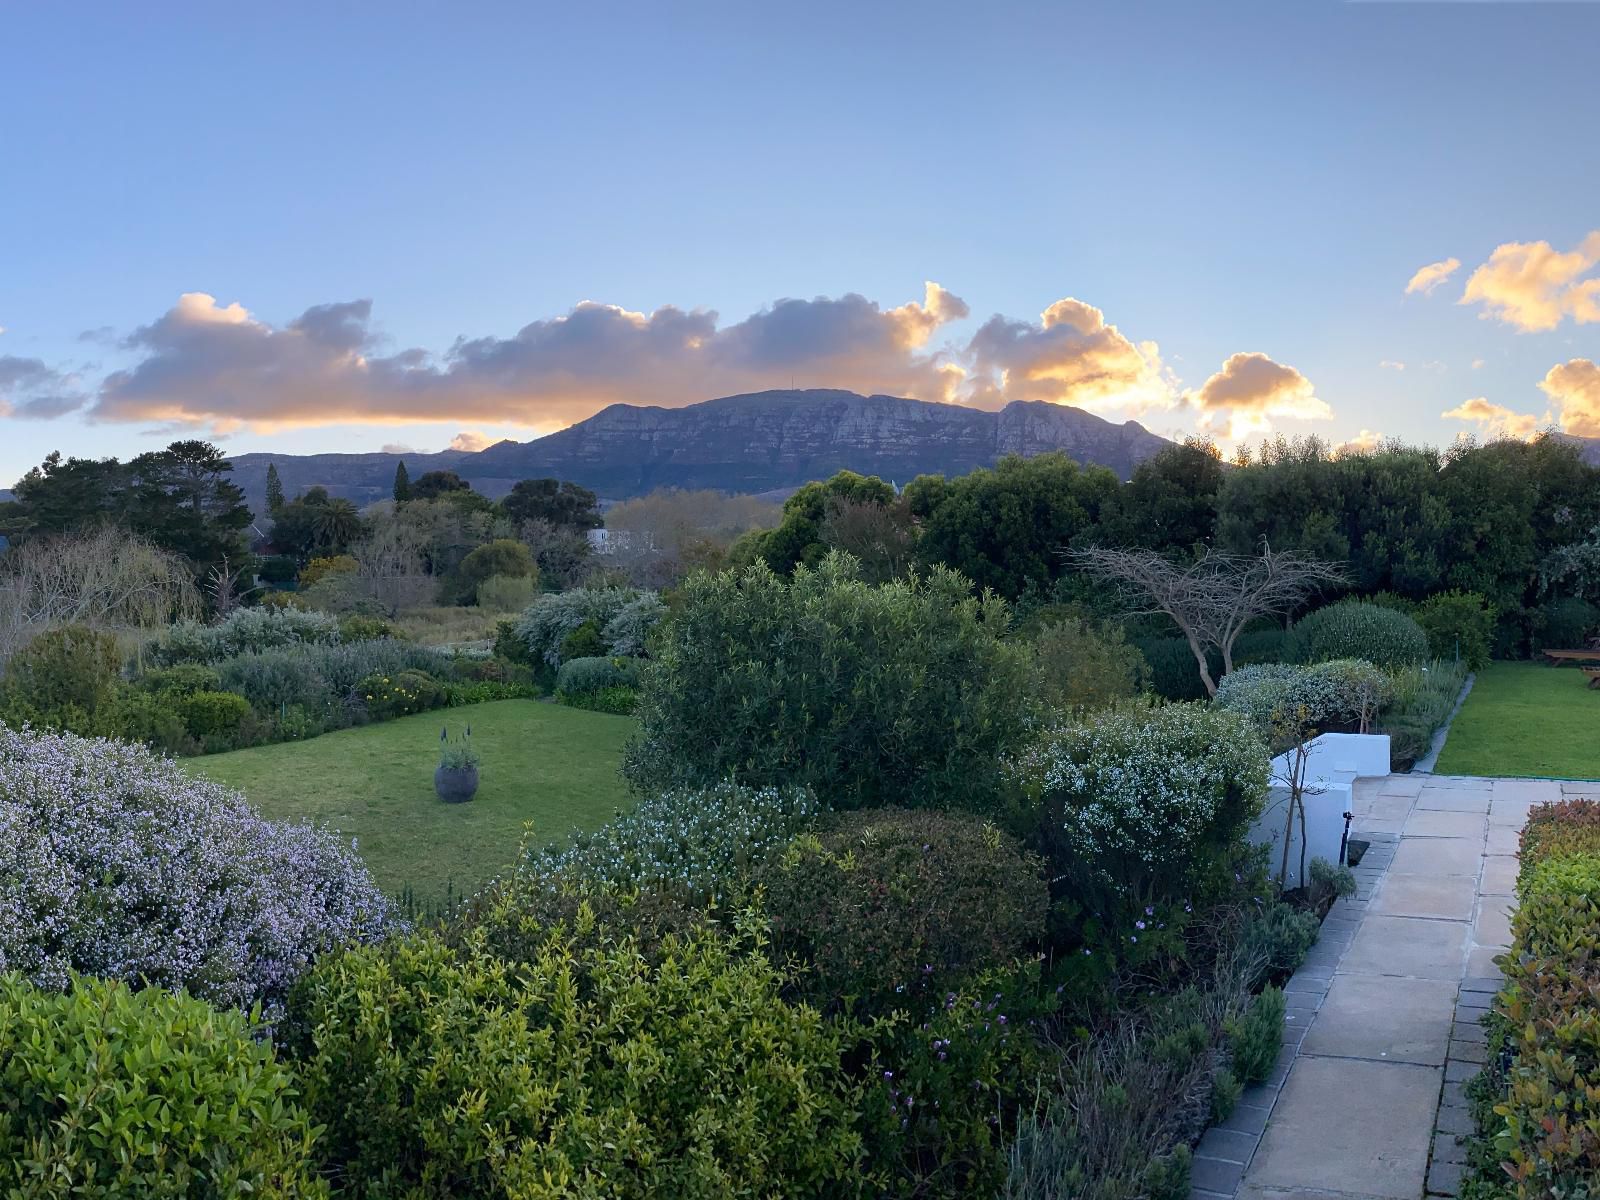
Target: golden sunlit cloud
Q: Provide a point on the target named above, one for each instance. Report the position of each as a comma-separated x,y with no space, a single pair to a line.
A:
470,440
1249,391
1363,443
1072,356
1574,387
1431,276
1496,420
1532,286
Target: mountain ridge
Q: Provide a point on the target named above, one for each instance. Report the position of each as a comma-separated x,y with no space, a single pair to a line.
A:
753,442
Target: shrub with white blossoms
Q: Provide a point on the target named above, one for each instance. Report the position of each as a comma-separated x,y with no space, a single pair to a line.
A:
1285,701
115,862
1146,799
695,843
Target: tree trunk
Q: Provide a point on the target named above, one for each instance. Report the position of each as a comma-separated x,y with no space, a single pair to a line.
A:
1205,667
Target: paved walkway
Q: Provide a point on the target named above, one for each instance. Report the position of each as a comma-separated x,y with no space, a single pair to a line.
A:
1382,1033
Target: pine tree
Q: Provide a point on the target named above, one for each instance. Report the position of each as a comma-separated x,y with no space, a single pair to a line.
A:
274,489
402,483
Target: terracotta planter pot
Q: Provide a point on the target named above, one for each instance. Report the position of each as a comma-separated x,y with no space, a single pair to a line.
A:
456,785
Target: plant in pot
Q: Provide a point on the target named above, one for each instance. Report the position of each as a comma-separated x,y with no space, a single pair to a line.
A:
456,778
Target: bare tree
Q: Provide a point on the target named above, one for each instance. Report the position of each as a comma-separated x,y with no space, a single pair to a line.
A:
878,536
105,577
391,565
1212,599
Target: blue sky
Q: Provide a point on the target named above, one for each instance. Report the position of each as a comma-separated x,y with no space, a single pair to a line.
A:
1234,196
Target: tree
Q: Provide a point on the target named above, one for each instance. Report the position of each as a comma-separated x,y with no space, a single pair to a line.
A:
1170,504
503,556
557,501
1212,599
434,484
182,498
798,538
880,537
274,489
335,525
402,483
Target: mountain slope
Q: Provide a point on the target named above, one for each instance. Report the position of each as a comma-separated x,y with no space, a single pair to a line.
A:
758,442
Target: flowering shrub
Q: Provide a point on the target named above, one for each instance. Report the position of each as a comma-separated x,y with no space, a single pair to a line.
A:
697,843
549,620
889,907
143,1093
389,696
244,629
1357,629
1138,805
1283,700
115,862
585,1070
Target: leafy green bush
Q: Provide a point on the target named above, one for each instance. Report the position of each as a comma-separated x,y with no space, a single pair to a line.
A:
1423,699
1078,666
619,701
1256,1037
583,642
1276,939
582,1070
213,714
1459,625
1565,624
182,680
502,558
62,679
242,631
1543,1131
398,695
106,1091
890,907
150,720
592,674
1356,629
507,593
903,693
1143,805
1173,670
551,619
323,679
357,627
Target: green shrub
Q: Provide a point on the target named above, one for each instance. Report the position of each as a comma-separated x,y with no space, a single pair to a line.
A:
62,678
1422,700
361,628
1257,1037
583,1070
1079,666
213,714
400,694
591,674
1174,674
507,593
903,693
583,642
619,701
1137,807
150,720
105,1091
502,558
1565,624
183,680
1356,629
1276,939
324,680
242,631
1459,625
1259,646
551,619
891,907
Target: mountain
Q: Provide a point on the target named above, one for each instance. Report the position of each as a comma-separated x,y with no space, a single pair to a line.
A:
759,442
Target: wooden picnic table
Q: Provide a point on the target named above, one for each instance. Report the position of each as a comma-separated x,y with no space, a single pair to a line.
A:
1572,656
1594,675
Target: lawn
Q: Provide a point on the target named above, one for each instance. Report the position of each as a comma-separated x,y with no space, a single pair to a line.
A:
554,766
1526,719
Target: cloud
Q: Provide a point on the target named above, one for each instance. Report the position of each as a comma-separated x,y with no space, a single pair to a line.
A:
1363,443
1477,364
1495,419
1393,366
1431,276
206,362
1532,286
470,440
1072,356
1574,388
397,448
30,388
1249,391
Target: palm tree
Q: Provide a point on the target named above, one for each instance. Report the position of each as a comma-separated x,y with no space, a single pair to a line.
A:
336,525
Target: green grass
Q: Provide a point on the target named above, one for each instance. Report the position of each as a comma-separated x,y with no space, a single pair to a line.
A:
1526,719
554,766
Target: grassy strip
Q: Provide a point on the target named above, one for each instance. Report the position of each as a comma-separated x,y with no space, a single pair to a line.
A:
1526,719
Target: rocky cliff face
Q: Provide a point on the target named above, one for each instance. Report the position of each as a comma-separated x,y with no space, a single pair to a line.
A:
752,443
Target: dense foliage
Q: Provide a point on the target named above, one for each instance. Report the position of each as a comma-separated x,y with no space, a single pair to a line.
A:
114,862
612,620
1078,665
581,1070
903,693
107,1091
1539,1131
1358,629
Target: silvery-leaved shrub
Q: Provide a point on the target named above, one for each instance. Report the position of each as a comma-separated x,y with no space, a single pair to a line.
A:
545,624
115,862
1146,802
321,678
243,630
1285,702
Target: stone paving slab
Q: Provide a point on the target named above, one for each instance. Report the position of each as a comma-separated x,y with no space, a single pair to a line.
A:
1444,897
1379,1017
1408,946
1473,800
1438,856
